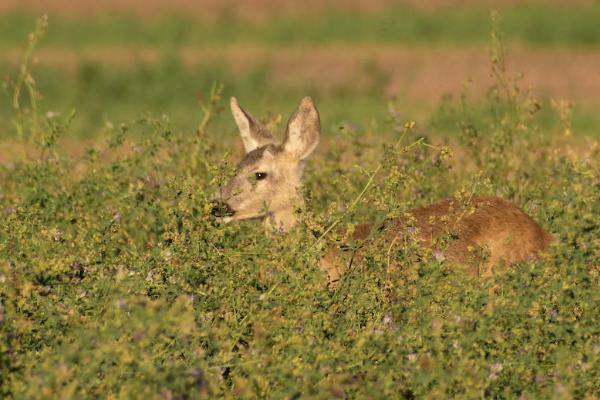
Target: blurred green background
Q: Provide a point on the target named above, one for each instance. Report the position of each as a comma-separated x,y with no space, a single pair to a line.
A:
116,60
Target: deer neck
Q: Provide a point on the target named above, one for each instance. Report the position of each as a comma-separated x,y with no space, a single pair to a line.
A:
283,219
280,221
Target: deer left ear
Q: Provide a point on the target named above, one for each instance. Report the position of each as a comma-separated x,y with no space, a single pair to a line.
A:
302,134
253,133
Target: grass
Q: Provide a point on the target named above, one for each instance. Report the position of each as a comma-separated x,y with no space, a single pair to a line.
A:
116,281
104,95
536,24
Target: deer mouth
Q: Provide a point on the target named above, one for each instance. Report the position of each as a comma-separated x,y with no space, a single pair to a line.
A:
222,210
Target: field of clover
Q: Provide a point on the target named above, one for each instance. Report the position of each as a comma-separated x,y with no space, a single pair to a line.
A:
116,281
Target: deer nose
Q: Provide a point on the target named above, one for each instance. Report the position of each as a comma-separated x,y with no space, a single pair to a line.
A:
222,209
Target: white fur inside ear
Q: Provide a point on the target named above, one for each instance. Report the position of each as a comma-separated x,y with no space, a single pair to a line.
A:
243,122
302,135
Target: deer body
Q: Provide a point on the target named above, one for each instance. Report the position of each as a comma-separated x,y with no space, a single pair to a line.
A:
484,233
268,180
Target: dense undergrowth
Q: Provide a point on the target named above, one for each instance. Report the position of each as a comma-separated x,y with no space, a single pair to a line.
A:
116,282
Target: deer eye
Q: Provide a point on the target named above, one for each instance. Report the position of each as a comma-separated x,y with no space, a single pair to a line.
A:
260,176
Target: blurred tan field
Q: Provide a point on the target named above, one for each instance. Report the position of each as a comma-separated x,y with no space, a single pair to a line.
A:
252,9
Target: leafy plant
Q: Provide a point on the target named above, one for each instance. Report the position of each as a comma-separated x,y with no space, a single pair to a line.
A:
116,282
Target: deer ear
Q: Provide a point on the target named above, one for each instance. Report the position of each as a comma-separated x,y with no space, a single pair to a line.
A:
253,133
302,134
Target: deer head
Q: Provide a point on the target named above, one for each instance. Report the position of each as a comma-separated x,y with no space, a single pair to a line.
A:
268,179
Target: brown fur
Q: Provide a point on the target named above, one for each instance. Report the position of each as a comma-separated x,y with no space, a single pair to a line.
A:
481,234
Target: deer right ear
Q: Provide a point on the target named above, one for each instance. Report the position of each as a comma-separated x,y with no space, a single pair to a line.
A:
253,133
302,134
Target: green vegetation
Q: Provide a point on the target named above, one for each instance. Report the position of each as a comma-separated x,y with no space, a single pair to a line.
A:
104,93
529,23
116,282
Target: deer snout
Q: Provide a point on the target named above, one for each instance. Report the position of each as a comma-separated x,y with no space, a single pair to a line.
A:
222,209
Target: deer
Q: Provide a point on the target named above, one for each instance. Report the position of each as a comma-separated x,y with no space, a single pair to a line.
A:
267,186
